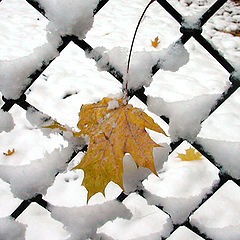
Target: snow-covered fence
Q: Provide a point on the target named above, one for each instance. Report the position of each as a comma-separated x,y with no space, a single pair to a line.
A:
23,79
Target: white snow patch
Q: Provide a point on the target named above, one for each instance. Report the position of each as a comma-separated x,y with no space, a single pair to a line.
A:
223,213
140,71
42,121
83,222
14,74
112,105
69,17
192,21
178,208
226,154
29,180
183,233
173,57
185,116
6,121
11,230
133,175
146,221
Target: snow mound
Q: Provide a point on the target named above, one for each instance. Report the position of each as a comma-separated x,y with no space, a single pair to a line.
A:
226,154
178,208
223,208
29,180
69,17
147,221
133,175
185,116
14,74
6,121
83,222
11,230
142,62
184,233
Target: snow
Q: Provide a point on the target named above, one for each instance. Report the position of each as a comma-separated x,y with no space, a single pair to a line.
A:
133,175
69,17
225,153
184,233
220,224
11,229
6,121
190,125
147,222
29,180
82,222
174,57
142,62
192,21
15,73
112,105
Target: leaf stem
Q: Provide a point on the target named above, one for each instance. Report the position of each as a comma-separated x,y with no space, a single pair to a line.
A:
130,52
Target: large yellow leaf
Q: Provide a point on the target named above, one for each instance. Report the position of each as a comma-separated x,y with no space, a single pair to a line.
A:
114,128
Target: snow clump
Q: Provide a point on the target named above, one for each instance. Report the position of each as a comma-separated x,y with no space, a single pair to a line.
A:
184,124
142,62
35,178
14,74
11,230
112,105
226,154
82,222
133,175
69,17
6,121
223,213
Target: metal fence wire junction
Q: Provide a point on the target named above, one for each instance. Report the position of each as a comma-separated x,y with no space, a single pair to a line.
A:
186,34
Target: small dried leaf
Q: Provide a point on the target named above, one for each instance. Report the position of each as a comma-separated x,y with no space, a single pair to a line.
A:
156,42
190,155
10,152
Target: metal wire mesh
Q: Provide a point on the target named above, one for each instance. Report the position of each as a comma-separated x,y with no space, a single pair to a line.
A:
187,34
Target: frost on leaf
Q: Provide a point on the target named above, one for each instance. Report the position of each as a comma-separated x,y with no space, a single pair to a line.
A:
114,132
190,155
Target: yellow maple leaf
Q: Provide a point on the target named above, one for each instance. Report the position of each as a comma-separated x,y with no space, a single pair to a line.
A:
10,152
190,155
114,128
156,42
114,132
